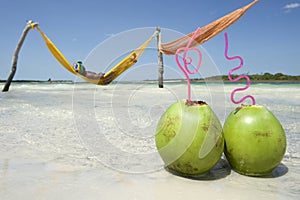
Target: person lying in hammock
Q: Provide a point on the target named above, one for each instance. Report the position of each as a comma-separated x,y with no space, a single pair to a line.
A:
78,67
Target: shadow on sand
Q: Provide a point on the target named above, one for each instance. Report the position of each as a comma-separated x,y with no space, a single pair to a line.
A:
220,170
223,169
279,171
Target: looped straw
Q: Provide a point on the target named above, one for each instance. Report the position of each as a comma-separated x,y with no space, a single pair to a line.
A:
188,61
239,77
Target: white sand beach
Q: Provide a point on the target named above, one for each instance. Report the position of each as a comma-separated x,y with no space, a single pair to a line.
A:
81,141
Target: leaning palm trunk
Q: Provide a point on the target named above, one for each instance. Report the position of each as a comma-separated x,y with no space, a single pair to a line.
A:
206,33
28,26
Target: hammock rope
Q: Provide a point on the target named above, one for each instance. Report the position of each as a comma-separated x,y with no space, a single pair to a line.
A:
108,77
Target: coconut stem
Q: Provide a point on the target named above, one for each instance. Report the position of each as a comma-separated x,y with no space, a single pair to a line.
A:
195,103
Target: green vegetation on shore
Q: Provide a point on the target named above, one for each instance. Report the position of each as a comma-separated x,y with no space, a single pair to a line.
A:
266,77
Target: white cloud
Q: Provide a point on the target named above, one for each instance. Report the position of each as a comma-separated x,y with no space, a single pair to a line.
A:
291,6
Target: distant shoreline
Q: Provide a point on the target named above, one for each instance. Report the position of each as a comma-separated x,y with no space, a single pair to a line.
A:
39,81
228,81
165,81
255,78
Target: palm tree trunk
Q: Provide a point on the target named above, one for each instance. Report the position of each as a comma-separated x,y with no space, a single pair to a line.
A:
160,62
28,26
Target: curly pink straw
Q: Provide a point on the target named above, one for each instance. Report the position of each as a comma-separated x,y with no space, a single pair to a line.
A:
238,78
187,61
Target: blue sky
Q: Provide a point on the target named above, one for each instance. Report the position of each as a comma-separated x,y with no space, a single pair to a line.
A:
267,36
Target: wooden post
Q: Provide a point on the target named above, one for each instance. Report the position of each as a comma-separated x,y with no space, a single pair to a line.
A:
28,26
160,61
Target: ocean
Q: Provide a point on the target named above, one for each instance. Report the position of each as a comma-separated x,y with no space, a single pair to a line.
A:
82,141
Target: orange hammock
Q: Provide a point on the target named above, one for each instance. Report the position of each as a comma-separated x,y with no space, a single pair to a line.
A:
206,33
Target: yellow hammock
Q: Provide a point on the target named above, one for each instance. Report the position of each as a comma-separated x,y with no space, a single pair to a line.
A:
206,32
108,77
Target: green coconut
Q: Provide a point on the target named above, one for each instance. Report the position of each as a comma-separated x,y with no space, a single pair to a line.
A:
255,141
189,138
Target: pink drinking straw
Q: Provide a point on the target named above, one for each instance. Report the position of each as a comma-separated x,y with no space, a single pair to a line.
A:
188,60
239,77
